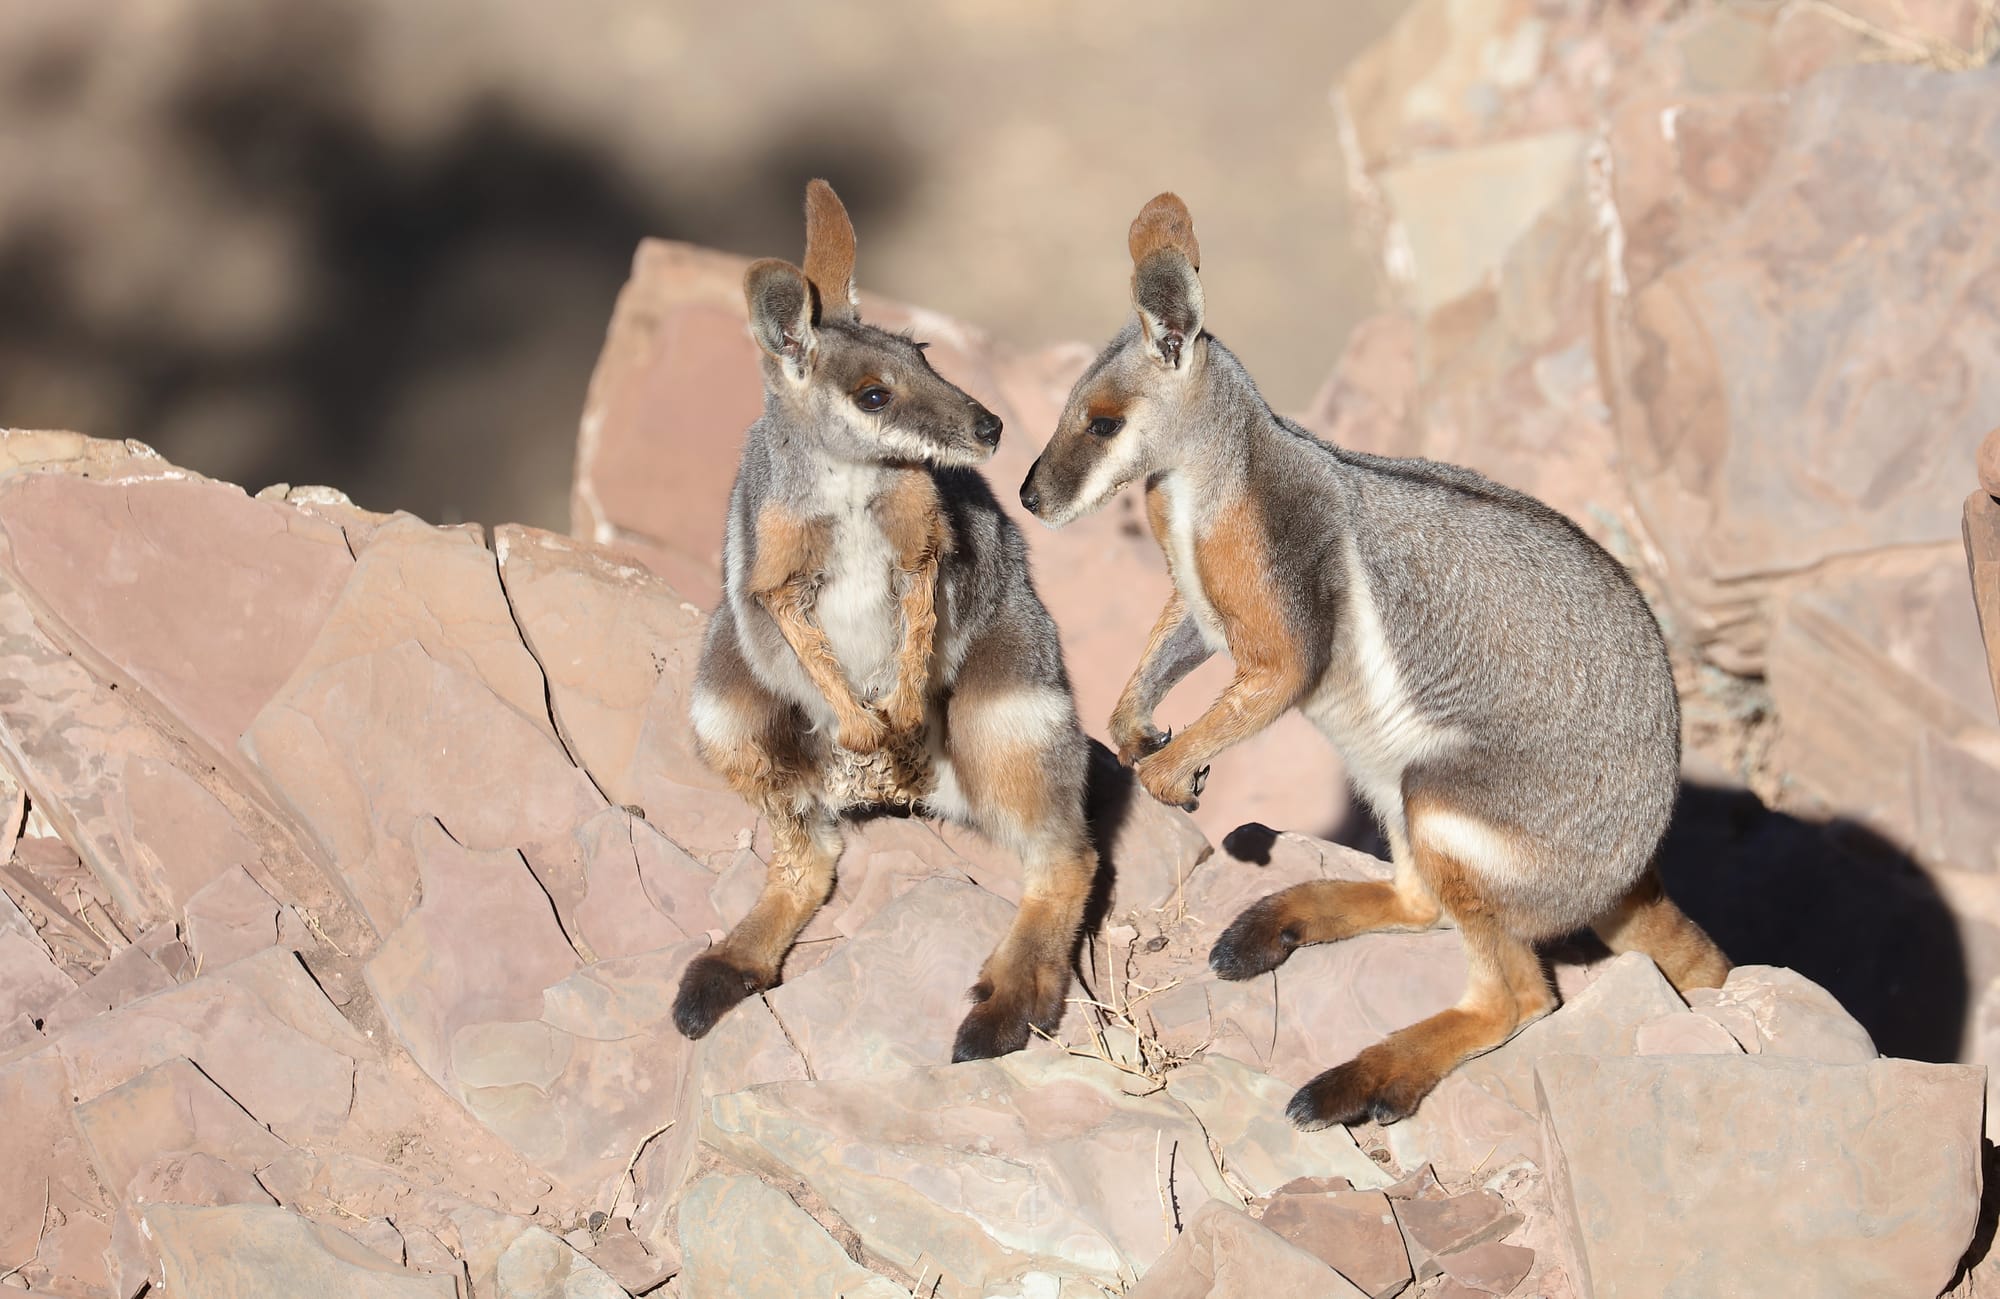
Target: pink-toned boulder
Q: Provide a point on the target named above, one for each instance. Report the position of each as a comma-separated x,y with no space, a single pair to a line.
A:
746,1240
44,1165
170,1110
30,980
61,712
641,890
1882,694
1746,459
369,747
1243,1112
1483,1114
1762,1175
618,648
204,597
126,977
1436,1226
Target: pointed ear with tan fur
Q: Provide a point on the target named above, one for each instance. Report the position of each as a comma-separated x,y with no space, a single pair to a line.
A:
781,314
1166,291
830,252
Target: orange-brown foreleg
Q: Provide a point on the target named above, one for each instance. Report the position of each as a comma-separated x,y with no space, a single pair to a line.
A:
791,558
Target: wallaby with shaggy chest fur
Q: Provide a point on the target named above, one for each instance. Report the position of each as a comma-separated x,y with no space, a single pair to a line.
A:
1498,688
879,643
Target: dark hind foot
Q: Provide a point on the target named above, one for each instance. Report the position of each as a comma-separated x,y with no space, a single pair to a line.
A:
1256,942
709,987
1001,1023
1370,1086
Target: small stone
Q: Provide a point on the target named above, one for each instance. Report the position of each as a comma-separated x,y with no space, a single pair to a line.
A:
540,1265
1353,1232
1434,1227
1491,1268
1226,1254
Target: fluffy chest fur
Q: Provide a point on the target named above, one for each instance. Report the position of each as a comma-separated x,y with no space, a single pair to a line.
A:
857,601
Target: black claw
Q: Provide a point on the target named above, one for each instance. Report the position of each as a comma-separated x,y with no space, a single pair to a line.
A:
1201,780
990,1030
1357,1092
1255,943
709,987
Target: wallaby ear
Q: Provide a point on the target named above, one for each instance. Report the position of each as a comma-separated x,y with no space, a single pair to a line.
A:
830,252
781,313
1165,289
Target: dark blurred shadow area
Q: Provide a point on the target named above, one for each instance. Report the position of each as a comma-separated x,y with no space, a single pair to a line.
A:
1836,902
412,320
376,244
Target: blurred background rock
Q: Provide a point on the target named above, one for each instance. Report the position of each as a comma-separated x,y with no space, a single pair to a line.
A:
375,243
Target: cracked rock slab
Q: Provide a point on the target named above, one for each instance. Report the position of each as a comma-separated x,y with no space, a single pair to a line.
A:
248,1252
983,1171
744,1239
1762,1174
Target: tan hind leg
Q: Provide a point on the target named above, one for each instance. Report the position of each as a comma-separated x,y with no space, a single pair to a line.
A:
1505,989
761,746
806,846
1324,911
1646,920
1020,765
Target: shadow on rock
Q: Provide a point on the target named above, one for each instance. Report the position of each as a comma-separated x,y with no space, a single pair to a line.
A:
1834,901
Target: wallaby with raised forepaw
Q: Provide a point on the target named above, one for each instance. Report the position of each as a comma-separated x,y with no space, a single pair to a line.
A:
879,643
1499,690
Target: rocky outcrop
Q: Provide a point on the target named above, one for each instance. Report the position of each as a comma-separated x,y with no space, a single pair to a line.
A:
397,1010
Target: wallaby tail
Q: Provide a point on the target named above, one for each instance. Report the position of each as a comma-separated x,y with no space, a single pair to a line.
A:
1646,920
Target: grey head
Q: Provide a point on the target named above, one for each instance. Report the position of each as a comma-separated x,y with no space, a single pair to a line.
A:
866,395
1127,417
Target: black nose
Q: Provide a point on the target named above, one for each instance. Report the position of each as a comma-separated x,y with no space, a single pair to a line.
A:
1031,496
987,430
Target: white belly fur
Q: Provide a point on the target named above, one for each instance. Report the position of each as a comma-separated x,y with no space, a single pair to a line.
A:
1180,563
1363,708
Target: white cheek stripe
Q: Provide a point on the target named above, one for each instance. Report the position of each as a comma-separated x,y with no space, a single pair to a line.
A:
1111,471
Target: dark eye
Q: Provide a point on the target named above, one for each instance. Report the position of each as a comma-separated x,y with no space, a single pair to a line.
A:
874,398
1105,426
